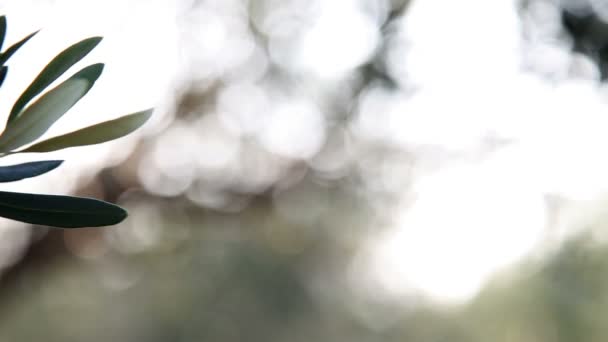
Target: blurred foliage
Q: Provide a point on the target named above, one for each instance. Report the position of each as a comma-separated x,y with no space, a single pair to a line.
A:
229,278
267,252
584,24
562,298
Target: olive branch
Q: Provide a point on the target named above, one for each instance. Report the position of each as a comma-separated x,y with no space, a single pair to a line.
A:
32,114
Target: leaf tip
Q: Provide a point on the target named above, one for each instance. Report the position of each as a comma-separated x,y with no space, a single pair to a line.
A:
95,69
56,163
32,34
123,215
147,113
119,216
90,73
90,42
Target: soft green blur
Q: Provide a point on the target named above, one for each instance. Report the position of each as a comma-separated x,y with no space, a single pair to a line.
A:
255,198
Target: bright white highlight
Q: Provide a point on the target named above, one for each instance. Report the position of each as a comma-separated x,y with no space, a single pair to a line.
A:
472,218
466,222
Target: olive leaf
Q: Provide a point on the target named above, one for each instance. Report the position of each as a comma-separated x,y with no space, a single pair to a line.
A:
2,30
96,134
53,70
6,55
42,114
29,121
17,172
59,211
3,73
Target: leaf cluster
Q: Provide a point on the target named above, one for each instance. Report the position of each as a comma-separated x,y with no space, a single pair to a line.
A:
38,107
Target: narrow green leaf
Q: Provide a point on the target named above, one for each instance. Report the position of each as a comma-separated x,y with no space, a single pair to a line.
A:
17,172
2,30
42,114
6,55
96,134
3,72
59,211
57,67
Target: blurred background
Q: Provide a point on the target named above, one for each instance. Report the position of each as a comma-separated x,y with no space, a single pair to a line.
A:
346,170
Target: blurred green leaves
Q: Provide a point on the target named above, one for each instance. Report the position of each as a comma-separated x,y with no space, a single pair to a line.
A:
29,120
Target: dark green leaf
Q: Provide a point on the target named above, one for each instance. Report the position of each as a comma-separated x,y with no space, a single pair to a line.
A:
2,30
57,67
6,55
59,211
3,72
17,172
43,113
95,134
